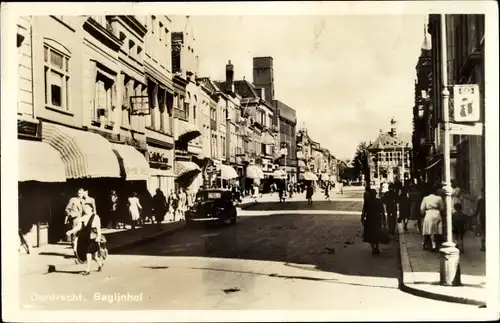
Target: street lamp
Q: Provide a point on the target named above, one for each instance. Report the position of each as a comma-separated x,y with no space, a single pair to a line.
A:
450,255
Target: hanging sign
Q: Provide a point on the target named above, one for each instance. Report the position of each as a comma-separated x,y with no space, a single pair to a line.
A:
466,105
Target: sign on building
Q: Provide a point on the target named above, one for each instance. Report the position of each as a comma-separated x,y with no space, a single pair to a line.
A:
466,105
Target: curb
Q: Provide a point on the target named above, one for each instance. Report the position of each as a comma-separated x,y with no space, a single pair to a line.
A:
145,240
407,279
113,250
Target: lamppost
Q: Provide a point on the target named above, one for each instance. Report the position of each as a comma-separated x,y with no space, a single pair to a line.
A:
450,255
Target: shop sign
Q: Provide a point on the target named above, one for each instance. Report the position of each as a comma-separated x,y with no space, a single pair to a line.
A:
157,159
466,105
28,129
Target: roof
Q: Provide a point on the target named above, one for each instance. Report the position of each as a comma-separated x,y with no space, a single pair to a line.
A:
208,84
245,89
386,141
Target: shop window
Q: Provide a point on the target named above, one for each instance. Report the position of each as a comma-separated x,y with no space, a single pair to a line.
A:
57,79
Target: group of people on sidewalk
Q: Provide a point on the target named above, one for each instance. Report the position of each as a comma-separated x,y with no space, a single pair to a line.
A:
422,203
84,225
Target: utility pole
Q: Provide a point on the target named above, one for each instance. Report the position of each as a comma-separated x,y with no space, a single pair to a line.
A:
450,255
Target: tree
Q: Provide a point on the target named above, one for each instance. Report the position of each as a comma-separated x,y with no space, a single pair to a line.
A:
360,161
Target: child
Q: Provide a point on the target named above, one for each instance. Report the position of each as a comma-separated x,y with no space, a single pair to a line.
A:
459,226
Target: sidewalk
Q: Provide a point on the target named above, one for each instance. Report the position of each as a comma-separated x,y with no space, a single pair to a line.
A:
61,255
421,270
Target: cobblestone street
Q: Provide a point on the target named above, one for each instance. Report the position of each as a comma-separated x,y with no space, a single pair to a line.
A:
278,261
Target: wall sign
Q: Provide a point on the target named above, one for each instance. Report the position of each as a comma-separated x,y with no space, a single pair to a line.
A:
466,103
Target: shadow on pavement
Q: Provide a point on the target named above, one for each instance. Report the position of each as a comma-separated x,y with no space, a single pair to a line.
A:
325,243
65,255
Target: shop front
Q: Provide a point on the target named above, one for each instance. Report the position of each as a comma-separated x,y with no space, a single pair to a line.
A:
40,175
160,157
90,162
188,172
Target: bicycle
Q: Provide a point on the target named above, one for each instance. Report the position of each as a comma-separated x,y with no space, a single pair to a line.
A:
23,242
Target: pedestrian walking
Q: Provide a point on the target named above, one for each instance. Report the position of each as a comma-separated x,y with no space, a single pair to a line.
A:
432,208
415,199
113,210
309,193
480,215
182,202
390,199
74,211
373,221
86,199
89,237
134,208
404,207
459,224
175,204
327,191
159,206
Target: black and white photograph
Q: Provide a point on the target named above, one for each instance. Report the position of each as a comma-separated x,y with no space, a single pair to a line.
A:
259,157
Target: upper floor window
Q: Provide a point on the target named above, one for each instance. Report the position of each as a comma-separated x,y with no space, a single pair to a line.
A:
131,45
104,96
160,32
57,78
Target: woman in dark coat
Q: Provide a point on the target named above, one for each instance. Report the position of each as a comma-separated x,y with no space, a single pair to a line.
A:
373,220
309,193
160,206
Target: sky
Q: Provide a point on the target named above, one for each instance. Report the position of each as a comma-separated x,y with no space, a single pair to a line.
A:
345,76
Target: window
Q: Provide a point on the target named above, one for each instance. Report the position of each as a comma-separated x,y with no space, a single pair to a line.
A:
131,45
127,93
153,24
160,31
151,119
57,80
223,142
104,98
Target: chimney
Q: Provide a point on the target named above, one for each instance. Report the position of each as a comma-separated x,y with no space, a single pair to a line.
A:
229,77
263,93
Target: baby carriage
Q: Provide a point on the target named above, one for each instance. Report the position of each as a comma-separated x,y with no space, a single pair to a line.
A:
81,248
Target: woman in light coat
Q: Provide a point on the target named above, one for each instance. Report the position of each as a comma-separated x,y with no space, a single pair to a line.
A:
432,209
134,207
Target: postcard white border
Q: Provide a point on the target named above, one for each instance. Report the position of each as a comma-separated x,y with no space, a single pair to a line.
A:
10,11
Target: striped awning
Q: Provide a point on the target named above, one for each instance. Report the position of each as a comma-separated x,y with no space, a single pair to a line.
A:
254,172
279,174
133,165
84,154
39,162
227,172
186,131
184,168
267,139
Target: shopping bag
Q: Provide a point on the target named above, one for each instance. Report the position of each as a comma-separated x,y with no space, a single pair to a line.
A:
384,237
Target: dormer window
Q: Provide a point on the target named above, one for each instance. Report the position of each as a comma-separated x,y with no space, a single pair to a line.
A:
122,36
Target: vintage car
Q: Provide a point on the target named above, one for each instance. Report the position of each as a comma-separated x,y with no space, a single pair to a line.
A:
213,205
